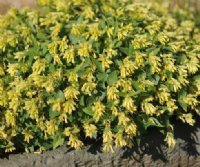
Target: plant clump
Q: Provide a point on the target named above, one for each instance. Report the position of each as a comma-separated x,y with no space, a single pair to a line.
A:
99,69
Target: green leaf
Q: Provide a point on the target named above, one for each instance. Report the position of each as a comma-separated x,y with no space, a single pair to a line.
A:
152,122
58,141
88,110
181,102
102,77
53,114
112,78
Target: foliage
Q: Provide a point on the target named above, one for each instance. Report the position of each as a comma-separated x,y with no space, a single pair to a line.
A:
105,69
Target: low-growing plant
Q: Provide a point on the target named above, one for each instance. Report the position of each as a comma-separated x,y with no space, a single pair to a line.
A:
100,69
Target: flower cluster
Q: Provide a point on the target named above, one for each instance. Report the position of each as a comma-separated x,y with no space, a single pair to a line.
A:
82,69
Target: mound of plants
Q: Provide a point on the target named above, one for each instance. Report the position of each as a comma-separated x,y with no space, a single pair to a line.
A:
73,70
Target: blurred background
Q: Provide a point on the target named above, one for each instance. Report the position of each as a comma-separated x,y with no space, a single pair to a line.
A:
184,4
6,4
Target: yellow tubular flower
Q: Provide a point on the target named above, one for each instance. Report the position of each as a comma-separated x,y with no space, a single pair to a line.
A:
104,61
107,140
131,129
32,108
163,94
27,135
119,139
69,106
51,127
175,84
187,118
171,106
90,130
112,93
170,139
39,66
126,85
123,119
98,109
73,77
55,104
128,103
85,49
127,68
10,118
69,55
10,148
71,93
148,107
75,142
13,69
154,63
1,71
88,87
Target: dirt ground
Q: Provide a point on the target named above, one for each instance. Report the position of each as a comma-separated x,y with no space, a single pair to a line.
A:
6,4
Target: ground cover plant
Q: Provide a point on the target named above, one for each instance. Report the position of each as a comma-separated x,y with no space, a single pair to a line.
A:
100,69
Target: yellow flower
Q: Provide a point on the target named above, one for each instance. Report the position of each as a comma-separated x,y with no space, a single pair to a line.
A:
140,41
128,103
10,148
147,107
109,31
51,127
131,129
126,85
88,12
56,104
94,31
85,49
170,139
123,119
90,130
119,139
69,55
77,29
10,118
127,68
169,62
112,93
162,38
98,109
110,52
187,118
88,87
193,65
39,66
2,71
56,30
27,135
175,84
108,148
73,77
191,100
171,106
32,108
107,139
104,61
13,69
69,106
48,84
71,93
75,142
163,94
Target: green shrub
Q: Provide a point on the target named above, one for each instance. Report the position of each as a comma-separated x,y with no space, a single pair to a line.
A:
77,69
